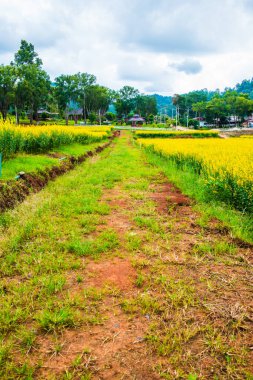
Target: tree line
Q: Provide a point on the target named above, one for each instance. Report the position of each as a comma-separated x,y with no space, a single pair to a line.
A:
25,87
216,108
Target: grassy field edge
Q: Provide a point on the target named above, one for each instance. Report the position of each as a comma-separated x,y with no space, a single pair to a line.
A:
14,192
240,224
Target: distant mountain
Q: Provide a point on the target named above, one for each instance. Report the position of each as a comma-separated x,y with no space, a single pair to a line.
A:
246,86
165,105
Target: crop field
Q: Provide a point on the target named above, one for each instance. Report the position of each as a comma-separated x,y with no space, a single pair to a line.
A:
225,164
118,269
35,139
175,134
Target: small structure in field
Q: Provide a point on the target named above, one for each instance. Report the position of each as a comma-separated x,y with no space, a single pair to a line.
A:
136,120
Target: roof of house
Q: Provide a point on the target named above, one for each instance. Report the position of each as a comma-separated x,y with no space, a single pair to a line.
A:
136,118
47,112
77,111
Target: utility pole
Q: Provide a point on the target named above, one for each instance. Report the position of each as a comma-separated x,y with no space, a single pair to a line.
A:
99,116
187,117
84,107
177,114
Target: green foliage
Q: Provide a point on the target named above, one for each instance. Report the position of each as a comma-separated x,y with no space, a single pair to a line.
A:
26,55
126,100
220,107
33,83
246,87
8,78
231,190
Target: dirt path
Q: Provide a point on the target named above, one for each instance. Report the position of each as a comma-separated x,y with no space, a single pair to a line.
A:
157,291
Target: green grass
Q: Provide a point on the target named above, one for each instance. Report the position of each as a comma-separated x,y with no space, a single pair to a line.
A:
53,233
26,163
54,320
33,162
76,149
56,246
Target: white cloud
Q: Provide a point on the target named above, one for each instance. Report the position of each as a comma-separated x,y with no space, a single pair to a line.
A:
151,44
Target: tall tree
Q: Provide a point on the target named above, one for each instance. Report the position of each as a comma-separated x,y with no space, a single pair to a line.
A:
146,105
126,100
66,93
33,83
97,100
7,88
26,55
83,82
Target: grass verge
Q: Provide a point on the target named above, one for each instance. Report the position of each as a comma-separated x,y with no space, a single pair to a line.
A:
240,224
34,162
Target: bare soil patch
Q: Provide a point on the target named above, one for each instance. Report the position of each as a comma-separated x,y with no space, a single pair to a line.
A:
167,194
114,350
117,272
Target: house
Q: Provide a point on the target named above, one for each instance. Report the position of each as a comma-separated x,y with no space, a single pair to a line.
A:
44,114
136,119
75,114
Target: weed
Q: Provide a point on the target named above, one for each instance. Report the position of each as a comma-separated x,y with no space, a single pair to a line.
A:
134,242
139,280
105,242
57,319
53,284
79,279
150,223
27,339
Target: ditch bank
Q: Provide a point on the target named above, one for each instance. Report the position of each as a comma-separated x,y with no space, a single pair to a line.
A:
15,191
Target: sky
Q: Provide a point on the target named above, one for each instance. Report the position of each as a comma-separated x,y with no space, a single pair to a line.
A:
157,46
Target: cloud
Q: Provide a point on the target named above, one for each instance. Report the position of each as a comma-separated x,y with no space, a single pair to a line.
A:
154,75
188,66
186,26
151,44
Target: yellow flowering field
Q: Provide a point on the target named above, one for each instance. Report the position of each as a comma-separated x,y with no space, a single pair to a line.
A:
48,129
36,139
227,164
171,133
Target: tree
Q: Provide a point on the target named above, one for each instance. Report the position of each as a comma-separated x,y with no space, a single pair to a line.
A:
26,55
146,105
126,100
110,116
66,93
223,108
7,88
83,82
200,108
246,87
185,102
97,100
238,105
33,83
